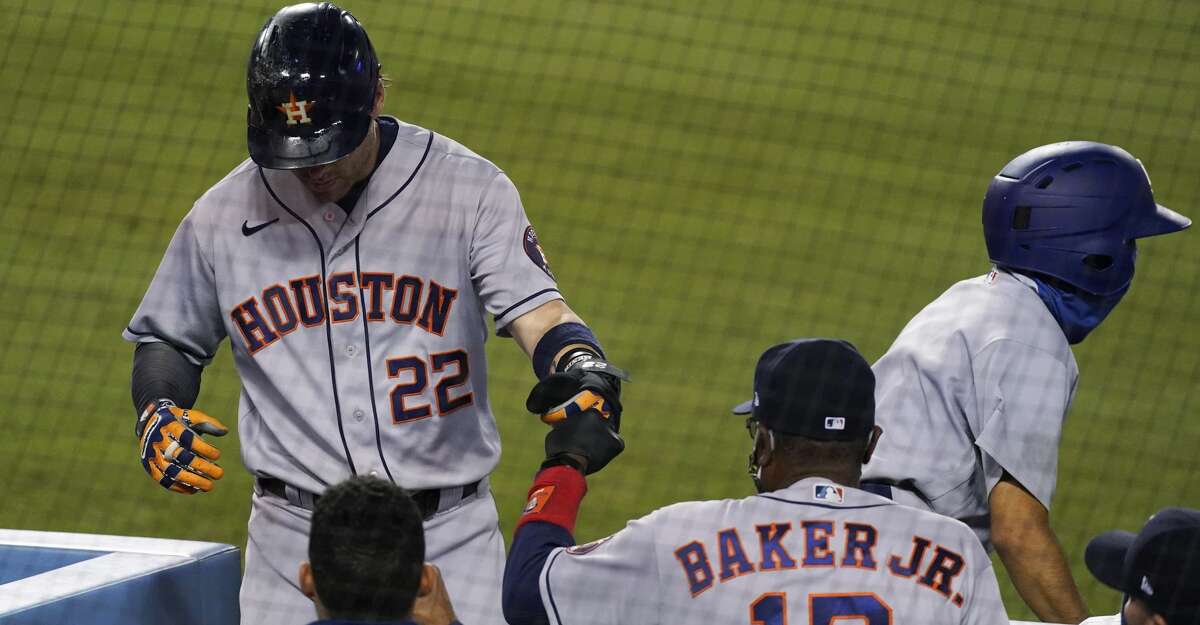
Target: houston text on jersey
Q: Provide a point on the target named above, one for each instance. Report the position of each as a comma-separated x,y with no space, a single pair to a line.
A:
281,308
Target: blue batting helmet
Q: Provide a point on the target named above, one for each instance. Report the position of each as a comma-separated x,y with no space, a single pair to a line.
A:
311,79
1072,210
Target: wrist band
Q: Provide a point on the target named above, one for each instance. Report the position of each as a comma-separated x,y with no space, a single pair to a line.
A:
555,339
555,497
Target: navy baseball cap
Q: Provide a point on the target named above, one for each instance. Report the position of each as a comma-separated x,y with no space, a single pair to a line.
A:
821,389
1159,565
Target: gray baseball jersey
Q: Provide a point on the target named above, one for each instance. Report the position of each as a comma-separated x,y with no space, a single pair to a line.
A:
978,383
359,341
359,338
814,553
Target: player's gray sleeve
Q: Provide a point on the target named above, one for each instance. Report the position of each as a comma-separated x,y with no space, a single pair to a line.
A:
983,605
614,580
1023,394
181,307
508,267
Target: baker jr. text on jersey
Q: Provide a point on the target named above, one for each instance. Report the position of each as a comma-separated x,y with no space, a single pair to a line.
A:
818,544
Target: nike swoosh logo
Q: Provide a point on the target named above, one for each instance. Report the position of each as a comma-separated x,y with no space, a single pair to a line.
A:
248,230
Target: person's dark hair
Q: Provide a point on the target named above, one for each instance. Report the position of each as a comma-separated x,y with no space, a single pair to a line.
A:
366,549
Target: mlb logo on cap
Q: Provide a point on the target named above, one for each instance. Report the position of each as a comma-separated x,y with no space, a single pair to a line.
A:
799,384
828,492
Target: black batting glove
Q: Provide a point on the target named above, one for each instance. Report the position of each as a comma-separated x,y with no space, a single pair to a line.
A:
586,441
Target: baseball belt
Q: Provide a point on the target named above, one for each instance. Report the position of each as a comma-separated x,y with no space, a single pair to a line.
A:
429,502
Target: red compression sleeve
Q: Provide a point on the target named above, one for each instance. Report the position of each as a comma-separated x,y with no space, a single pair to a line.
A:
555,497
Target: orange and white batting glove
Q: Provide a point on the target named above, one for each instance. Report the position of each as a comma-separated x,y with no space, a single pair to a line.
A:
172,451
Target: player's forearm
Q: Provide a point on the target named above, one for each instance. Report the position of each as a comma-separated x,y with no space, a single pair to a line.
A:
528,329
547,524
1038,569
532,544
161,371
1031,554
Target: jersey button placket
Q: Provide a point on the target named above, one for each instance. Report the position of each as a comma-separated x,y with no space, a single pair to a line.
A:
352,373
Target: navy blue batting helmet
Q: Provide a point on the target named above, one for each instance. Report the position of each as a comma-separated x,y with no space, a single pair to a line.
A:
1072,210
311,79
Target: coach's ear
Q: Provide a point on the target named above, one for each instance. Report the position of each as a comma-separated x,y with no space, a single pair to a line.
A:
308,586
764,448
428,580
433,602
872,440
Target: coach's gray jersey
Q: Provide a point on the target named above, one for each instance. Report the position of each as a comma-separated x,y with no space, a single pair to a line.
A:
814,553
359,338
978,383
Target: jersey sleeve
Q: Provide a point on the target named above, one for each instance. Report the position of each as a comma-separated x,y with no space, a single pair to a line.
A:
1023,394
611,580
180,307
508,268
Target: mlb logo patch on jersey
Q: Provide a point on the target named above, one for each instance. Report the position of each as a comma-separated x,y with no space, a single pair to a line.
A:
835,423
829,492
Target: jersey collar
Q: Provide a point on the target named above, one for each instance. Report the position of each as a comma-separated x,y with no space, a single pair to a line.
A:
823,491
1001,273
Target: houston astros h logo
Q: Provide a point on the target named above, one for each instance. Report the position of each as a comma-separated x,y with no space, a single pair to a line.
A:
297,112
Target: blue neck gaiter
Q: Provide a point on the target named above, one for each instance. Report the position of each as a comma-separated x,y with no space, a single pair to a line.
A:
1077,314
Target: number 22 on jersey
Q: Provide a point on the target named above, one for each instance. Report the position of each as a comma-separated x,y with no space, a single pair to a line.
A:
823,609
455,370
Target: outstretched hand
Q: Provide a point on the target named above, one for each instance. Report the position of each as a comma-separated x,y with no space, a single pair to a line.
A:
172,451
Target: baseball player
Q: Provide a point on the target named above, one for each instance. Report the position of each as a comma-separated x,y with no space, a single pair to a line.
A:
1157,569
352,262
810,549
974,390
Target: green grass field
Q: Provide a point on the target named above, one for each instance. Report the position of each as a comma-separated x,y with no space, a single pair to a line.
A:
707,179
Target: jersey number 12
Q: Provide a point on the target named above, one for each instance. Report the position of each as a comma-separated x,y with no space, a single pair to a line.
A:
771,609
